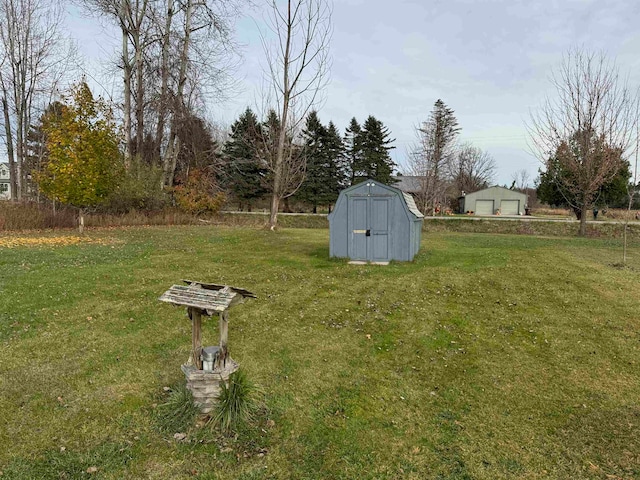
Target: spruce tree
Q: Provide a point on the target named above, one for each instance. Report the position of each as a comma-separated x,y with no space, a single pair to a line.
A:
323,150
353,150
338,168
245,170
375,163
435,154
312,189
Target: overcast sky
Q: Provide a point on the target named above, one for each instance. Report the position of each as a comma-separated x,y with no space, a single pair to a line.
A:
490,61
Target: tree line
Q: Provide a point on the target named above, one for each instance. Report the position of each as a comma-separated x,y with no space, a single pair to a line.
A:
327,161
175,56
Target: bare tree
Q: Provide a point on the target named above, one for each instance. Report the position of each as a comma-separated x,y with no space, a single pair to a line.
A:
34,57
521,180
586,128
297,70
431,159
173,54
471,169
205,50
131,17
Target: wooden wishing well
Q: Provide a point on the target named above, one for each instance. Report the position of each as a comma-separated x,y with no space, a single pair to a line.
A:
208,366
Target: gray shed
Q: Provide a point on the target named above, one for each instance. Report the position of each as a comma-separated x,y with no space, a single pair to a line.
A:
494,201
376,223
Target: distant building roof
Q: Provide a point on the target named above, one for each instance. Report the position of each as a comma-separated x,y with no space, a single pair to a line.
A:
408,183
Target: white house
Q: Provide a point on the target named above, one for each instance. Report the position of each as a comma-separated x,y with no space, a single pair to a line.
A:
5,191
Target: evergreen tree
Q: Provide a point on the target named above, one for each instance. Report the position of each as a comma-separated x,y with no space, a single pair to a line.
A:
244,168
323,150
353,149
433,159
313,188
198,150
338,166
375,161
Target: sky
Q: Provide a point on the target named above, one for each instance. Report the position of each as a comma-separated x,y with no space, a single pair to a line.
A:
489,61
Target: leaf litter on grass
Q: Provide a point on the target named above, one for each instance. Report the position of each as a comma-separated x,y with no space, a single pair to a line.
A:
57,241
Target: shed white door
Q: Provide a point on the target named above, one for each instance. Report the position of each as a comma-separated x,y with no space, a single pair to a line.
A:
484,207
510,207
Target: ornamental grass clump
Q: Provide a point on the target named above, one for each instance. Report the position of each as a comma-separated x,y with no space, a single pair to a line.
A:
236,404
179,412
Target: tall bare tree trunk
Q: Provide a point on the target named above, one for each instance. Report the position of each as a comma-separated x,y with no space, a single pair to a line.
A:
282,138
164,82
303,32
173,149
126,68
139,94
583,222
138,17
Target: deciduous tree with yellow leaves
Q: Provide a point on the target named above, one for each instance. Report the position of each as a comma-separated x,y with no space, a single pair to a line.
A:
85,162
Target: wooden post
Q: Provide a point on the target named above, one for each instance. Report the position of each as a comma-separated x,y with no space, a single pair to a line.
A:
224,336
196,339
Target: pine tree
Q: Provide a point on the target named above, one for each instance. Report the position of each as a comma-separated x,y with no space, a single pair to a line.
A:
353,149
434,155
375,163
244,169
338,170
324,152
313,188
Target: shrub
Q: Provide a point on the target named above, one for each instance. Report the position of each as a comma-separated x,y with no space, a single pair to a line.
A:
138,190
198,194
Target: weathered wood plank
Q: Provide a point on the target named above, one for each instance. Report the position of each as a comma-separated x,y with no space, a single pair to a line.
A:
215,286
196,337
224,337
197,297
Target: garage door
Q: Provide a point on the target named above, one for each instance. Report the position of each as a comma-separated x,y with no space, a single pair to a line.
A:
484,207
510,207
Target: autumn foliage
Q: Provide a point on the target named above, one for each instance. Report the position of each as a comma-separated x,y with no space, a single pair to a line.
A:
198,194
84,163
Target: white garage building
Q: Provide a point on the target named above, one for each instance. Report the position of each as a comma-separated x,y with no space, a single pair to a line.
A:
493,201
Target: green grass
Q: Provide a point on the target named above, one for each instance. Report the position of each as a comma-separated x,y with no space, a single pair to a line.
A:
489,357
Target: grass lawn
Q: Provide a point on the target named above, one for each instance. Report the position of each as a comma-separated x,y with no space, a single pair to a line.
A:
489,357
